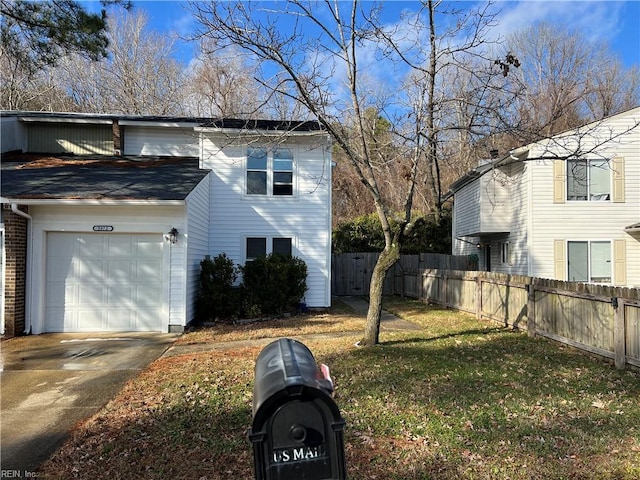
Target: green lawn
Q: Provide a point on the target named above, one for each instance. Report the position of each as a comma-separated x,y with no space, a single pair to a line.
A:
460,399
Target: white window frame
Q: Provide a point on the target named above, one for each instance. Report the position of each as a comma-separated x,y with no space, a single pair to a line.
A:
589,244
271,171
590,197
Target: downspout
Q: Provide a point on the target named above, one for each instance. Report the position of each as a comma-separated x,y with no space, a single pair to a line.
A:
27,299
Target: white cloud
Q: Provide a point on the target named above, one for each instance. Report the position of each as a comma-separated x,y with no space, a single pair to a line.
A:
597,20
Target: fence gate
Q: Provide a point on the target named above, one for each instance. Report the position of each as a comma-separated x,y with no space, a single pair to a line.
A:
351,272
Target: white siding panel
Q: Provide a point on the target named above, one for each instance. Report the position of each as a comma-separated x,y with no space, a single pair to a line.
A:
170,141
198,240
12,135
305,217
467,209
518,234
178,281
495,209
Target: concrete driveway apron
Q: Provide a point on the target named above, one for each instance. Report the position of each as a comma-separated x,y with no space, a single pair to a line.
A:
51,382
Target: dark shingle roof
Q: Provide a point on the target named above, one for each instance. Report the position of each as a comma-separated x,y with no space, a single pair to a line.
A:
41,177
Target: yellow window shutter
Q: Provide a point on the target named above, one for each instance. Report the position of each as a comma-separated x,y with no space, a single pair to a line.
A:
619,262
617,170
560,259
558,181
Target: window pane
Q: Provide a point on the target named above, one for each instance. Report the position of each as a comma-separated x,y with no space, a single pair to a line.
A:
256,159
256,247
282,183
257,183
601,262
282,246
282,165
599,181
283,189
576,179
283,154
578,261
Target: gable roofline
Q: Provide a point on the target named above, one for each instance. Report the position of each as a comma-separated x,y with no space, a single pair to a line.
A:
515,155
519,153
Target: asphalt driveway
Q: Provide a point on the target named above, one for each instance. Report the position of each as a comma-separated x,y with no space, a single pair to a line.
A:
49,383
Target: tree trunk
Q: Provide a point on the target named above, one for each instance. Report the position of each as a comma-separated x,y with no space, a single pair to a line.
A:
388,257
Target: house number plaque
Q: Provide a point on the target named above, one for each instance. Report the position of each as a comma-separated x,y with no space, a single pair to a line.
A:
103,228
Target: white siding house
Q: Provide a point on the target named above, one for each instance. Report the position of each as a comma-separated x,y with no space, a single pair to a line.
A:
92,229
574,206
289,209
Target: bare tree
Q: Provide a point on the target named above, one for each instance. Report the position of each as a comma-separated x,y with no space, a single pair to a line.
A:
140,76
340,61
221,84
24,88
568,80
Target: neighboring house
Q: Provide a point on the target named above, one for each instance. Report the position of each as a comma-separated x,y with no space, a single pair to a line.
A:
106,218
566,208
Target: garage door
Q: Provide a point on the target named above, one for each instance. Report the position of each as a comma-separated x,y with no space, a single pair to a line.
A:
103,282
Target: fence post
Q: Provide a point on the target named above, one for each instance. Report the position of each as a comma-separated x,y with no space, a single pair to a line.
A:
478,296
619,343
445,288
531,310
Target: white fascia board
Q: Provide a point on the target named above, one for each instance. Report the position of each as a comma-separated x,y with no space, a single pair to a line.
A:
86,121
88,201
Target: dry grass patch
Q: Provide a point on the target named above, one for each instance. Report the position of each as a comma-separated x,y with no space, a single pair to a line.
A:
460,399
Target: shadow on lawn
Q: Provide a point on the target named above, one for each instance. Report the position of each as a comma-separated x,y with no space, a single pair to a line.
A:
426,339
488,397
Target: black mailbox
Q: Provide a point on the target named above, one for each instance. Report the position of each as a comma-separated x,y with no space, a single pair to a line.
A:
297,430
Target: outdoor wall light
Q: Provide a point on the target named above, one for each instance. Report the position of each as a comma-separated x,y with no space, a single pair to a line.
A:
479,245
172,236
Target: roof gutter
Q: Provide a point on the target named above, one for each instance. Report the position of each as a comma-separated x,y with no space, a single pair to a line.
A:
262,133
29,266
89,201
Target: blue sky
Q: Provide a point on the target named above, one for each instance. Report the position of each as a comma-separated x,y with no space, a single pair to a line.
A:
616,22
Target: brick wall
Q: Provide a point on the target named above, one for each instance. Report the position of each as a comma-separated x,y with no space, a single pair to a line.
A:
15,244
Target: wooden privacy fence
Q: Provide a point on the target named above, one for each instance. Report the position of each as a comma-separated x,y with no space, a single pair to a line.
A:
351,272
600,319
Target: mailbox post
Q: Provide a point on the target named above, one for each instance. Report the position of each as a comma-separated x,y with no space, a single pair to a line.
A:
297,430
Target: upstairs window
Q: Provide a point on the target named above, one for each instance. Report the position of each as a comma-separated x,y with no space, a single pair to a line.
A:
270,172
588,180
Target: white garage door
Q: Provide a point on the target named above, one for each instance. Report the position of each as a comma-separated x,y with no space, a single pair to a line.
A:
103,282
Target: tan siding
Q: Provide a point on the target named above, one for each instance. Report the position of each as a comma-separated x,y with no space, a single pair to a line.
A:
72,138
560,259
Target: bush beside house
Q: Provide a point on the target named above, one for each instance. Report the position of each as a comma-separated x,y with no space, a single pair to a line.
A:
271,284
